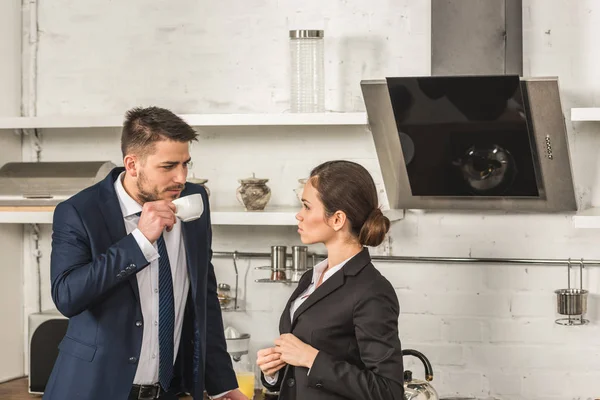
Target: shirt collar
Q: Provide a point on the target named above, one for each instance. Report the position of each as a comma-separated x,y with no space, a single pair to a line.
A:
128,205
320,267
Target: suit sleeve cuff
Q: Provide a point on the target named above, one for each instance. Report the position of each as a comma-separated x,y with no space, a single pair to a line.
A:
271,380
320,370
274,386
218,396
146,247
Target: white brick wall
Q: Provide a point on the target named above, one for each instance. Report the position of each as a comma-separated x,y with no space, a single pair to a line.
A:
216,57
487,329
11,276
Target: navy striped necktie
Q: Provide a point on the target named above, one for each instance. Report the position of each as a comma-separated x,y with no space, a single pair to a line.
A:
166,316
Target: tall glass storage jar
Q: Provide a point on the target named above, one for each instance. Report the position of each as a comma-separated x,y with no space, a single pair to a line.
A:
307,83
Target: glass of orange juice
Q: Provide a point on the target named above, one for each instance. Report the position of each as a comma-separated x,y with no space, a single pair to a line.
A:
244,372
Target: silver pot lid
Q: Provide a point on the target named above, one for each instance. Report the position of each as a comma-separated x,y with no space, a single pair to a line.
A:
306,34
253,179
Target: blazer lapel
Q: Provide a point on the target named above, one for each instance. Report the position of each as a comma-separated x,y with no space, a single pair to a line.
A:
113,217
326,288
352,267
285,326
191,243
194,239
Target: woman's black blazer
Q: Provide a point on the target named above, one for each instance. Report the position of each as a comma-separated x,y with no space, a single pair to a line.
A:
352,319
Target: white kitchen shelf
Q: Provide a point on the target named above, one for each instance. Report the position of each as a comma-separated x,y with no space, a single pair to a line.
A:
585,114
590,218
587,219
289,119
26,217
231,216
270,216
282,216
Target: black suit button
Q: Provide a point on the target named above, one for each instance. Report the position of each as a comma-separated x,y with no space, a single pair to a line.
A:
291,382
132,266
138,323
319,385
132,360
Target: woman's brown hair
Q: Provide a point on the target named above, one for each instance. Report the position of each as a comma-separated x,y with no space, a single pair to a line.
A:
347,186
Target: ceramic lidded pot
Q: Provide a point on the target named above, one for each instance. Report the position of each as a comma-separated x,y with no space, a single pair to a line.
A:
199,181
253,193
300,189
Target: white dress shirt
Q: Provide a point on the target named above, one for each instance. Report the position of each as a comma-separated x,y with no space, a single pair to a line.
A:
147,279
317,272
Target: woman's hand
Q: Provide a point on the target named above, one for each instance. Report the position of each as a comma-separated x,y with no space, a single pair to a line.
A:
269,361
294,351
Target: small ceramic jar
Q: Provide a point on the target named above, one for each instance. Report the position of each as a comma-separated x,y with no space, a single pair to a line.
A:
300,188
253,193
199,181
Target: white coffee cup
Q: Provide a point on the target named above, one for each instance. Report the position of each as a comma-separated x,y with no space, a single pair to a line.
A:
189,207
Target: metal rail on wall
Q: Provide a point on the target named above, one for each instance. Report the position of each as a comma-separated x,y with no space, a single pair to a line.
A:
448,260
570,302
572,317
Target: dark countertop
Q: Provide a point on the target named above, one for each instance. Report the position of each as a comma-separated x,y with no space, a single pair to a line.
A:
17,389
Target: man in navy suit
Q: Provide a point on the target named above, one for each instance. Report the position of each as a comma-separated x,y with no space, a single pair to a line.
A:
137,285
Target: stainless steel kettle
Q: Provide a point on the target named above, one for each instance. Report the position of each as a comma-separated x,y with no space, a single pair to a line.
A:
416,389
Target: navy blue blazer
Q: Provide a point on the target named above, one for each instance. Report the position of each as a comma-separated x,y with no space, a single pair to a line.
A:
93,270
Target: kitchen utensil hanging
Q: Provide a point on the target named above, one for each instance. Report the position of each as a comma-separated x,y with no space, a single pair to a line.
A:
224,290
572,302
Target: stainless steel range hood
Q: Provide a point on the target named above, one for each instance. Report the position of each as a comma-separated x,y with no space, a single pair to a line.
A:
47,183
408,187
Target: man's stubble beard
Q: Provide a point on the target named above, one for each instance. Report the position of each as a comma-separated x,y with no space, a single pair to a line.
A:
144,195
153,195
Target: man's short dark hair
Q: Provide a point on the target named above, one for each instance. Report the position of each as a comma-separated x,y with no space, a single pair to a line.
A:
145,126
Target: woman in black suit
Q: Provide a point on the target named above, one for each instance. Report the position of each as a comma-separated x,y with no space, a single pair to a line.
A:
339,330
